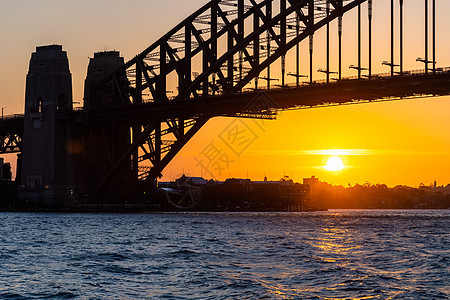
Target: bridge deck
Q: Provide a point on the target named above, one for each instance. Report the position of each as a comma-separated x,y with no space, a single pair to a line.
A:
292,97
346,91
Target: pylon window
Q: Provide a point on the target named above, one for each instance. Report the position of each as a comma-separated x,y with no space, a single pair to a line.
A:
39,105
62,102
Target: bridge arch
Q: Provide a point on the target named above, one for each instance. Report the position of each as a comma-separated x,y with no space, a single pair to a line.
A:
309,30
212,37
200,35
241,25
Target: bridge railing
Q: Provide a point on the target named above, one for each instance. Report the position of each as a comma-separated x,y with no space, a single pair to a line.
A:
417,72
11,117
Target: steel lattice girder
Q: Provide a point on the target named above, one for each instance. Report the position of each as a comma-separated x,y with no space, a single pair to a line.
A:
10,143
151,135
168,58
11,133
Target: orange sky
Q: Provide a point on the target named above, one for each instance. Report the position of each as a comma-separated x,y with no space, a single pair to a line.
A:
403,142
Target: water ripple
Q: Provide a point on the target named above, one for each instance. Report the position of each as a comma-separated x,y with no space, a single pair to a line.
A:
390,254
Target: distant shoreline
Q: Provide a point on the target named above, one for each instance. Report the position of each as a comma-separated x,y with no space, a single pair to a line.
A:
147,211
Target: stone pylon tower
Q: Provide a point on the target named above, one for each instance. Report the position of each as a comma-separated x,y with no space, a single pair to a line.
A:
47,170
108,138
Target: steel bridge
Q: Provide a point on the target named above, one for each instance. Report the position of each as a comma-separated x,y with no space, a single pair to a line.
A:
221,60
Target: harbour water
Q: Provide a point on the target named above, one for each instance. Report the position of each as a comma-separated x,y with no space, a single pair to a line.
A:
341,254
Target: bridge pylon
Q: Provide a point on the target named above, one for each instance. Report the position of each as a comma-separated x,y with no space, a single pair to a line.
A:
46,159
105,139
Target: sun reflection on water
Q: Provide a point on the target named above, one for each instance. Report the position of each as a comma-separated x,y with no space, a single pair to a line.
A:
335,242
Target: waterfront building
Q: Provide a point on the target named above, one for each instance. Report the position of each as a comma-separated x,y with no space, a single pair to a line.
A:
237,194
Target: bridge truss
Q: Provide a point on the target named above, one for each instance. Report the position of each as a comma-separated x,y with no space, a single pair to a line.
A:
11,133
212,56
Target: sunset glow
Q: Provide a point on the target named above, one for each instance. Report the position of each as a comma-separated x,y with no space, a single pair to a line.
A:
263,149
395,136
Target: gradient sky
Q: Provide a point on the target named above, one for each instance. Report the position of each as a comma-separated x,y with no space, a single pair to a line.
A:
403,142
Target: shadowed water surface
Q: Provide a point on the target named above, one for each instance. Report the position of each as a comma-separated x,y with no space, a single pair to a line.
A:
385,254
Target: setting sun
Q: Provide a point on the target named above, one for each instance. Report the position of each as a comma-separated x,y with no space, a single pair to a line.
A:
334,164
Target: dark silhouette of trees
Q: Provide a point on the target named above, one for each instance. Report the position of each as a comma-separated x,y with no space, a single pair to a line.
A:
379,196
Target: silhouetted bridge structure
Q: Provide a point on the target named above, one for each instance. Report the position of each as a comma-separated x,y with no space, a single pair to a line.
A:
138,115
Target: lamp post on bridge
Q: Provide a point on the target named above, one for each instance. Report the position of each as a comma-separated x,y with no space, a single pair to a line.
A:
359,69
2,111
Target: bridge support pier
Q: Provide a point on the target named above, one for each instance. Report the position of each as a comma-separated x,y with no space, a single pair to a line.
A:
48,152
105,139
